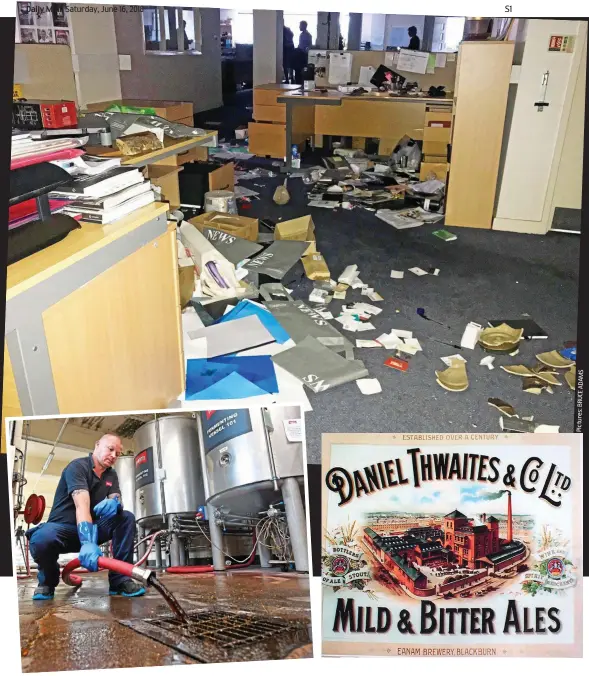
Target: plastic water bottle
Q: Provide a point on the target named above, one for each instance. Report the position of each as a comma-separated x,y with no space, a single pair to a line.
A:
295,157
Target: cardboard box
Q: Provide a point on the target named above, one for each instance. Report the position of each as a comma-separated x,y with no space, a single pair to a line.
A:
439,169
175,111
299,229
241,226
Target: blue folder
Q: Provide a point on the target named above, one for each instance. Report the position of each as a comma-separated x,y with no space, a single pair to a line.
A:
230,378
246,308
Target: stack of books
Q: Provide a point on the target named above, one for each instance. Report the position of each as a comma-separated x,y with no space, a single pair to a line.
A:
107,196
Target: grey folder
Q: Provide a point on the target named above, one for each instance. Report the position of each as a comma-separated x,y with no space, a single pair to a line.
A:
318,367
278,258
235,249
234,336
300,321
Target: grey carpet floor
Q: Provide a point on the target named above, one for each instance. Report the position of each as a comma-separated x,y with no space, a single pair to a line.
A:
484,275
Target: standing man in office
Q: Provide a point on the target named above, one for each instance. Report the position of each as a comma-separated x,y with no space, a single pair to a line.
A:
305,38
414,42
87,512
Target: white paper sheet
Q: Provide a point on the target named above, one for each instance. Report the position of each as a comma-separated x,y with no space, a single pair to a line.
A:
367,343
412,61
366,73
369,385
440,60
397,274
448,360
340,68
418,271
293,428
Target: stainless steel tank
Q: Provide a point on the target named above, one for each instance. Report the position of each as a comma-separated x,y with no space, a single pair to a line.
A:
244,462
168,470
125,469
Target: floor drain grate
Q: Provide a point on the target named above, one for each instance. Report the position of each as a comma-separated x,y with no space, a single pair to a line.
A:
220,636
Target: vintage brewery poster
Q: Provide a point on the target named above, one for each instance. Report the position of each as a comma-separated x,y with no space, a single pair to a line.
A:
452,545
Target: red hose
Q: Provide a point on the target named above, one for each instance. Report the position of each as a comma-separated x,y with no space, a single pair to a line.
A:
195,570
114,565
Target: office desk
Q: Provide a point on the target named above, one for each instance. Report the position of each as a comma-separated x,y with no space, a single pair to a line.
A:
164,164
93,322
375,115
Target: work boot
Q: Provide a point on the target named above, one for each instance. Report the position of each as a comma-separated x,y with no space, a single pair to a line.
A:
43,593
127,588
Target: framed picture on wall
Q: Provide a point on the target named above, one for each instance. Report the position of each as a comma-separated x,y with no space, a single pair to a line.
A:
26,17
43,15
62,37
28,35
45,35
59,15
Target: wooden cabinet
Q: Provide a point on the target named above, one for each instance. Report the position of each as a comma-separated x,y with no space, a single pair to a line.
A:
125,352
484,71
267,134
93,323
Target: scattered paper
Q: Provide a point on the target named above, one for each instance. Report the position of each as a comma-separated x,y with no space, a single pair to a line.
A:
455,357
319,296
401,333
323,204
348,275
547,429
418,271
375,296
357,283
397,220
413,343
471,335
362,307
397,274
325,314
440,60
241,273
436,272
339,295
367,343
488,362
369,385
389,341
365,326
293,428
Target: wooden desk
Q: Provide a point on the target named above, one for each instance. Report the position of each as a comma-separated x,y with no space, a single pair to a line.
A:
93,322
164,164
374,115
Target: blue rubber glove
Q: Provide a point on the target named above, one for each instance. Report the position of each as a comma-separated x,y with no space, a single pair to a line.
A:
89,551
107,508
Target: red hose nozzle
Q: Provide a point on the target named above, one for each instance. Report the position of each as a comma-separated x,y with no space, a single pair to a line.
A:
122,567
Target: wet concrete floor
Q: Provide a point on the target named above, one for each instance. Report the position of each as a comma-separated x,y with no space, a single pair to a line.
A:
78,629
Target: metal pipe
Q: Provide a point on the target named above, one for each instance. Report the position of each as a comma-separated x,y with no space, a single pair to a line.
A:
182,551
267,425
174,553
158,554
51,453
217,545
142,546
297,526
263,551
203,460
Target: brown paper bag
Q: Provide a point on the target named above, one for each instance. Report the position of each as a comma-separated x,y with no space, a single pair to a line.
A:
316,267
241,226
301,229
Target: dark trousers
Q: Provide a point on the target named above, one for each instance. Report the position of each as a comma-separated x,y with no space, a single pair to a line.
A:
49,540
